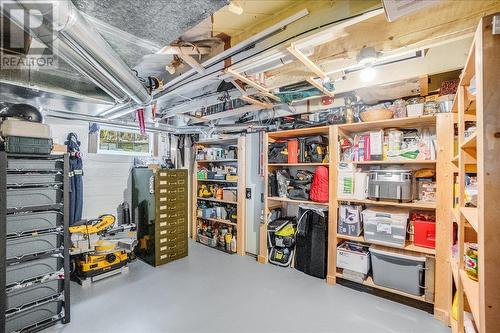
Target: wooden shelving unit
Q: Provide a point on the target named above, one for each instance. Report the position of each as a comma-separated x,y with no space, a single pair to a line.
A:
478,153
239,184
439,276
273,202
437,257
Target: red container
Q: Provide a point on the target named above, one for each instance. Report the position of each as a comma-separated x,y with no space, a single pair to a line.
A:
424,233
293,151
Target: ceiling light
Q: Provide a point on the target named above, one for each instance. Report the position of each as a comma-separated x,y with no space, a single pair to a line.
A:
235,8
367,74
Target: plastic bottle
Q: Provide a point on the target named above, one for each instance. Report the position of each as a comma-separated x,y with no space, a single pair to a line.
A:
233,244
228,238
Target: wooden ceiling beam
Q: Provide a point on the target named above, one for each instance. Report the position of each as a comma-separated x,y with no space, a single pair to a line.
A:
264,91
320,87
306,61
253,101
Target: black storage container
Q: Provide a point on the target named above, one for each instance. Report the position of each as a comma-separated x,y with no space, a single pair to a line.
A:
311,242
34,239
22,145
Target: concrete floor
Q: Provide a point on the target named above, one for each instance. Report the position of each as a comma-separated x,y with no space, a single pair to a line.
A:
211,291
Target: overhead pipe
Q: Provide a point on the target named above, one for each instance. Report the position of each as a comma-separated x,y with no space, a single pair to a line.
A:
79,44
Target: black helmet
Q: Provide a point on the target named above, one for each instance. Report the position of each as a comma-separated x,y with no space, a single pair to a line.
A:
23,111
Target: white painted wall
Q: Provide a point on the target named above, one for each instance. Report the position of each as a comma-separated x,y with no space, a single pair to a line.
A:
106,177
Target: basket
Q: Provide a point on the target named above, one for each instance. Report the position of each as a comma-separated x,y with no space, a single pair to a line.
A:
376,114
207,241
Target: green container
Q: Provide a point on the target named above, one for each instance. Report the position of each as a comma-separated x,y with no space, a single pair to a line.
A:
22,145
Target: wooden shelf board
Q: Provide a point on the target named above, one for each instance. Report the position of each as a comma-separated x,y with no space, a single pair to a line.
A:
407,122
297,201
219,141
471,215
453,325
218,220
217,161
415,204
469,68
299,132
369,282
455,159
217,181
470,142
297,164
394,162
454,270
471,290
456,214
217,200
409,245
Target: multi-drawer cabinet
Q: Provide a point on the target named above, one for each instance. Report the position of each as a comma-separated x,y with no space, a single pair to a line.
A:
34,242
160,208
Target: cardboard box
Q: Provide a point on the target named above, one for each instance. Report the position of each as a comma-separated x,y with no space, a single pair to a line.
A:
59,149
354,257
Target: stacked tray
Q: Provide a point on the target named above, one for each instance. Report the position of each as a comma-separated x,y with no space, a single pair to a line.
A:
36,242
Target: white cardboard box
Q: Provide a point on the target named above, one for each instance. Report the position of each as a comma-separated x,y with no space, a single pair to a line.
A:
353,260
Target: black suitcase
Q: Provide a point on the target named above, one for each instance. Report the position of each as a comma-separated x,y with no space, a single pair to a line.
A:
311,242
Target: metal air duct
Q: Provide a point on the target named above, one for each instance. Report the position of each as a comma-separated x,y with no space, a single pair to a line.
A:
74,40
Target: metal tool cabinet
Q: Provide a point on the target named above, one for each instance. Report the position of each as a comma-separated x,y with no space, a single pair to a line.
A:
34,242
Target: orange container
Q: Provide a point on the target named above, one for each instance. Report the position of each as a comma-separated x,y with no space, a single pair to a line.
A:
293,151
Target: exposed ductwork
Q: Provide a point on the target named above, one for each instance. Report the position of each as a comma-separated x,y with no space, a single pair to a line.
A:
69,34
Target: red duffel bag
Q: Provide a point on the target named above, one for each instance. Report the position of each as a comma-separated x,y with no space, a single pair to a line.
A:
319,186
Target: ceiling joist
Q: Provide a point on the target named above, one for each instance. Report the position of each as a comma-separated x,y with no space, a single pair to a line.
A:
306,61
254,101
264,91
320,87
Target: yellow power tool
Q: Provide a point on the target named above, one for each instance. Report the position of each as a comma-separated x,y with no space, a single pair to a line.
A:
98,246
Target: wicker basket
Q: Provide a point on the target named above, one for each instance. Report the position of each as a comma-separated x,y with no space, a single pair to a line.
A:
376,114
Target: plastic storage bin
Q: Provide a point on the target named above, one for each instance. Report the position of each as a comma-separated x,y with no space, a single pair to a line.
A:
39,315
31,197
21,145
18,297
398,269
386,226
23,179
27,223
26,164
424,233
354,257
20,247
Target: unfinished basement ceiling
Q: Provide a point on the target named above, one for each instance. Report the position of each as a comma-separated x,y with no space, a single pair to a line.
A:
152,23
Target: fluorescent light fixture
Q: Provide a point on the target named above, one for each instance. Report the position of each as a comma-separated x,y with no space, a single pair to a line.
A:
367,74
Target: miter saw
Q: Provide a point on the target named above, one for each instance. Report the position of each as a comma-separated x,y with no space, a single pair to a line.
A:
99,246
